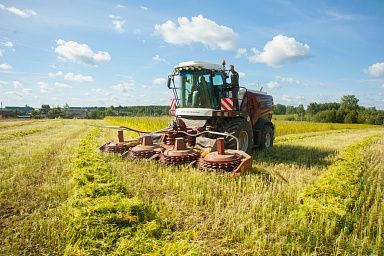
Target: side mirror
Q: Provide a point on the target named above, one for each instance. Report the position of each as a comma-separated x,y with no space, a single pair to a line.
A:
169,82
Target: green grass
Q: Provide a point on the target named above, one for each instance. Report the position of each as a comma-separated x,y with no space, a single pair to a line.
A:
25,132
105,218
294,127
59,195
5,123
328,214
35,180
283,127
140,123
252,213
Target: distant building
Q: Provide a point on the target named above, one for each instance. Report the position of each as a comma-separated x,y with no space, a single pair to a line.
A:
26,109
76,112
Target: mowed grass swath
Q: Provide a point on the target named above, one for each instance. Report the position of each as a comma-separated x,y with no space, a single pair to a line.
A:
62,196
35,181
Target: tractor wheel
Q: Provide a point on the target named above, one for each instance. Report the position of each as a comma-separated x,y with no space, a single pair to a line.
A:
267,136
241,129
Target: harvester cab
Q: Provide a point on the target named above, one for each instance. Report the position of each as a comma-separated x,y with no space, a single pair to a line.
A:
215,128
198,85
204,99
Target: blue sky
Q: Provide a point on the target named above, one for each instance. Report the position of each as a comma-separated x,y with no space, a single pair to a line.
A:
102,53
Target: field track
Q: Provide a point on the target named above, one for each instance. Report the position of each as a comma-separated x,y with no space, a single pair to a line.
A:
58,195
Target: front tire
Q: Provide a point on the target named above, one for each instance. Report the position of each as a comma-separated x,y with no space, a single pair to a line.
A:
241,129
267,137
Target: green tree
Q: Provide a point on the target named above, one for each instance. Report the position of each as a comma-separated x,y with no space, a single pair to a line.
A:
290,110
36,113
300,111
95,114
280,109
348,107
55,112
351,117
45,109
349,103
325,116
313,108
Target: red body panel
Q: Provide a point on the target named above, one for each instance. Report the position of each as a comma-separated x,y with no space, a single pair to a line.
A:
258,105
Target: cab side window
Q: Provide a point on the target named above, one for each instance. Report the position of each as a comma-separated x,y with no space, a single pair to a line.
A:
218,80
218,85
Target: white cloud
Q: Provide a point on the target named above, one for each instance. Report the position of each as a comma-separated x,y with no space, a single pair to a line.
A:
280,50
382,86
21,91
17,84
281,81
26,91
45,88
159,81
288,80
338,16
197,30
375,70
240,52
125,86
241,74
159,59
61,85
14,94
78,77
120,6
5,66
273,85
80,53
26,13
287,98
144,8
53,75
8,44
72,77
2,83
103,92
117,22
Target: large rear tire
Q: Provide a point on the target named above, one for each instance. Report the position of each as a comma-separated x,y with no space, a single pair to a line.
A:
241,129
267,137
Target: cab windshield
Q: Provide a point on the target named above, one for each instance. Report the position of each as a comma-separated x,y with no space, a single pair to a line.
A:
199,88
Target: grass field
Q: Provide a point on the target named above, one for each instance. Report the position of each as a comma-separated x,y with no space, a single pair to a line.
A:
318,191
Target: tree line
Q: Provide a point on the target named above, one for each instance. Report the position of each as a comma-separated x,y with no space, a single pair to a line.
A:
47,111
347,111
101,112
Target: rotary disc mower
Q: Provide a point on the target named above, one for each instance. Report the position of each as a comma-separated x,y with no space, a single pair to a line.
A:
177,147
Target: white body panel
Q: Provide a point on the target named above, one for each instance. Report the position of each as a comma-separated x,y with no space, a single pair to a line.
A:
198,65
194,112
